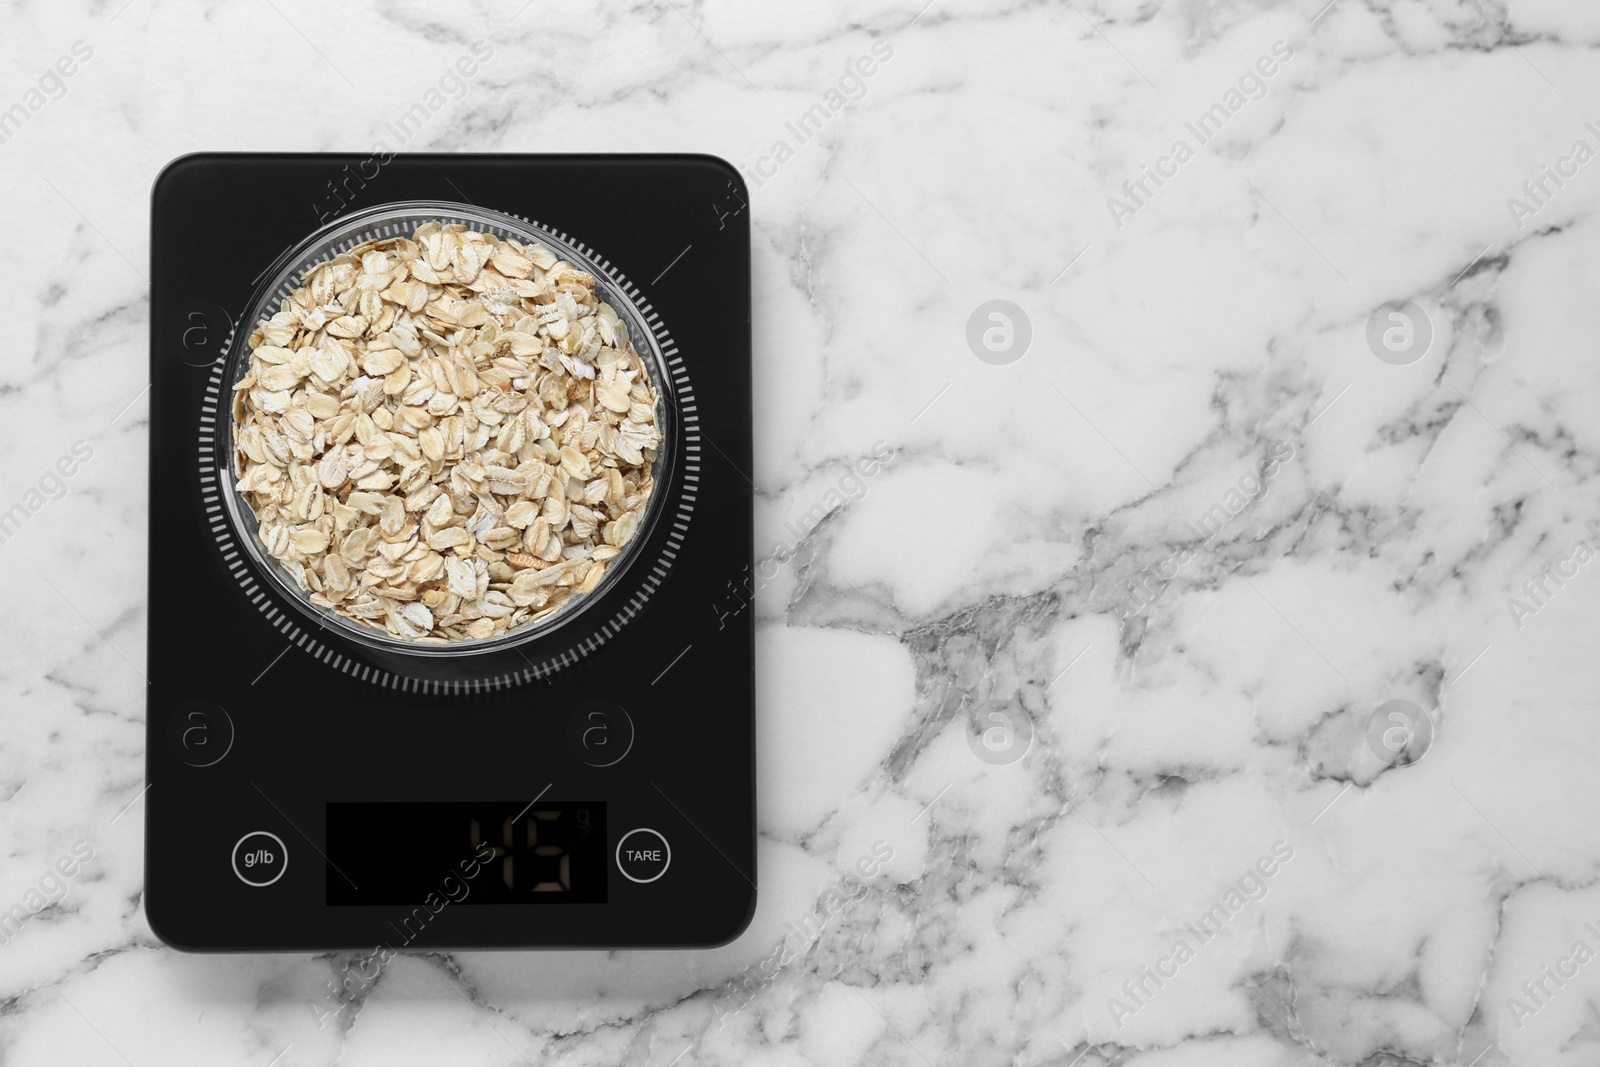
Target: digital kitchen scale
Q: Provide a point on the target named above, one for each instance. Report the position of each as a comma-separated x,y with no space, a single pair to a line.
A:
592,785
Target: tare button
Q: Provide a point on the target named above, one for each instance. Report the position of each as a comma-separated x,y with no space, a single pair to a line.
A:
259,858
643,855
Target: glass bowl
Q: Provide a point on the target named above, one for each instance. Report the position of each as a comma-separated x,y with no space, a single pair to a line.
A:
400,219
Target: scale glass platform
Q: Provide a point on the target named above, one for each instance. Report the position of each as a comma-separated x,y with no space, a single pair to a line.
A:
592,785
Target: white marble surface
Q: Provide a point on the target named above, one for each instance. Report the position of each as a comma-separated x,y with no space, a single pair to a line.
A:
1174,747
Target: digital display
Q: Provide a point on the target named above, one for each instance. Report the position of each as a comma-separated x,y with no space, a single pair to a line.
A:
467,853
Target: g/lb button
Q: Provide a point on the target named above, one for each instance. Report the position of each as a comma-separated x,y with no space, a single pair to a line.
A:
643,855
259,858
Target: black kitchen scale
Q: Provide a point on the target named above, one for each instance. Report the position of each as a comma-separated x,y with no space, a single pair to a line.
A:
592,785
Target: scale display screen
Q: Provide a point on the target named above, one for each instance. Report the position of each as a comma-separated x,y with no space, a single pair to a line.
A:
514,852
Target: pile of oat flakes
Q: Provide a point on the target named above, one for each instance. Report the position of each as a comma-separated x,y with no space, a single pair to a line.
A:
447,436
